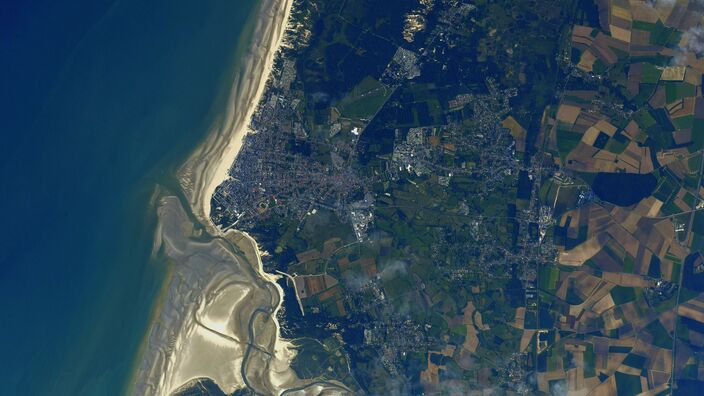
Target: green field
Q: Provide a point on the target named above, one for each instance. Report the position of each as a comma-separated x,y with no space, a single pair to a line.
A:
635,361
659,33
622,295
643,118
589,362
627,384
661,338
566,142
548,277
651,74
365,99
678,90
686,122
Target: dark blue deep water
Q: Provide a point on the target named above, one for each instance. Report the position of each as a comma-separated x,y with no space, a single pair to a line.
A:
99,101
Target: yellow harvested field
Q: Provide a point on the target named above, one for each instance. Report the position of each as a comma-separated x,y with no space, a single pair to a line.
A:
603,305
620,33
632,130
516,129
630,223
673,73
625,239
642,11
648,207
666,268
478,322
606,388
621,12
603,157
580,30
643,383
471,341
691,311
519,317
583,251
526,339
660,238
627,280
661,359
430,375
606,127
586,61
693,77
568,113
611,320
587,158
590,136
668,320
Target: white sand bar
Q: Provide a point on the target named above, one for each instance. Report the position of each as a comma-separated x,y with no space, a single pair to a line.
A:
218,320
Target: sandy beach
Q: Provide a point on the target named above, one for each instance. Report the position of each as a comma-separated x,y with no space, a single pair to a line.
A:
217,309
208,165
217,320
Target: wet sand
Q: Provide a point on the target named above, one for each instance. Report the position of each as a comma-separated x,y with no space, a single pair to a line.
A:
217,318
203,327
208,165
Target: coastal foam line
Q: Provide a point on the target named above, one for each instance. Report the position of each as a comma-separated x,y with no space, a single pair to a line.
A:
209,164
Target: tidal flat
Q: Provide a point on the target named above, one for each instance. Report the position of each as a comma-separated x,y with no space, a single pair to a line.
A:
217,320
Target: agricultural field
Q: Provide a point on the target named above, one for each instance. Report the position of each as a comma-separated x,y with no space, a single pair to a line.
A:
627,138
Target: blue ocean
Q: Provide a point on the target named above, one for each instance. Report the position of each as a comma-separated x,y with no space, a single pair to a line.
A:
100,101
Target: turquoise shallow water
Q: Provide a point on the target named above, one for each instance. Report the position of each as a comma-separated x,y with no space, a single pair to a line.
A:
100,100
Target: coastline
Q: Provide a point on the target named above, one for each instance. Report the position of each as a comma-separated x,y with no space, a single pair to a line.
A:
283,350
216,318
208,166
